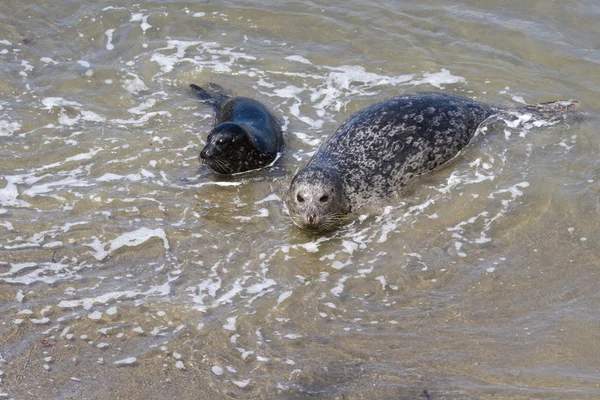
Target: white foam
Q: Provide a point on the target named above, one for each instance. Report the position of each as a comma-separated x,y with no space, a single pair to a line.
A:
7,225
8,128
84,63
48,60
344,80
27,67
64,119
96,315
271,197
241,384
109,37
513,190
168,62
298,58
259,287
283,296
47,272
312,247
236,288
21,266
9,194
142,120
78,157
129,239
339,265
293,336
230,325
44,188
307,139
136,85
216,183
439,79
126,361
88,303
520,120
139,17
349,246
108,177
339,288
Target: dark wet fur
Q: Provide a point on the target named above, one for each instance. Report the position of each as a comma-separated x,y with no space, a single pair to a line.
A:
246,135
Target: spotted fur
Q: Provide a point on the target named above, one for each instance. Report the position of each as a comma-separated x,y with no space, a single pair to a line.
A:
378,150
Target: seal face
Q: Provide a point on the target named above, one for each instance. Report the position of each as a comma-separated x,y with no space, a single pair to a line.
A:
378,150
318,199
246,135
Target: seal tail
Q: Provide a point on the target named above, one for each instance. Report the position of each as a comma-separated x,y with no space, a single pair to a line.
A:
552,109
213,95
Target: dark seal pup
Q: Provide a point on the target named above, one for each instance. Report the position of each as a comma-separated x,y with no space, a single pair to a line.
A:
245,136
378,149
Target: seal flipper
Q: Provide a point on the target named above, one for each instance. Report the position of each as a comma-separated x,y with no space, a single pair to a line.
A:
219,90
215,94
552,109
201,93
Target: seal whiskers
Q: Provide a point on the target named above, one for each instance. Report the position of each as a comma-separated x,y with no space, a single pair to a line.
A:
246,135
377,150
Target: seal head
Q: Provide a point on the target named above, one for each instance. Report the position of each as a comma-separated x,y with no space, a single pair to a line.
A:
316,199
246,136
227,148
377,150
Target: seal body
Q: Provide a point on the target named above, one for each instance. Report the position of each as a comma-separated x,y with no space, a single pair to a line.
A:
246,135
378,150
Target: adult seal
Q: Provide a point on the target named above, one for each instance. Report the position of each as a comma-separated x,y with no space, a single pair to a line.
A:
379,149
246,135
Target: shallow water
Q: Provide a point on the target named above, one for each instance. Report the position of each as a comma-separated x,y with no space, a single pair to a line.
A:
128,272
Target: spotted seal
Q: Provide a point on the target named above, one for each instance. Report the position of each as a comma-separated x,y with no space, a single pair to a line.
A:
379,149
246,135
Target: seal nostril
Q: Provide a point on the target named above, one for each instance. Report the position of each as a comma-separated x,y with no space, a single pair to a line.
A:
311,219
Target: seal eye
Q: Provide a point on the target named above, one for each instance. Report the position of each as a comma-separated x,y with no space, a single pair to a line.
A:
324,199
299,198
222,144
